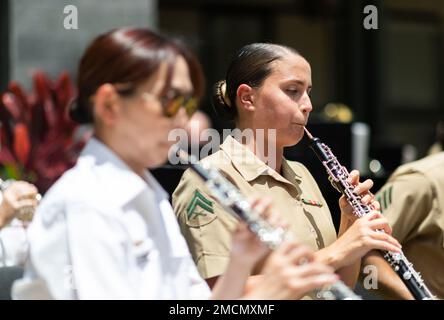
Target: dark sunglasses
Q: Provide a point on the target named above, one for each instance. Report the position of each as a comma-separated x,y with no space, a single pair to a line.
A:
171,103
171,106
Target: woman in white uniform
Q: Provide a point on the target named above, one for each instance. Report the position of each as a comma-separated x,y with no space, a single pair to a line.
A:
106,230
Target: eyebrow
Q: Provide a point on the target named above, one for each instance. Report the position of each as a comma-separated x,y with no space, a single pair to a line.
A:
179,91
299,82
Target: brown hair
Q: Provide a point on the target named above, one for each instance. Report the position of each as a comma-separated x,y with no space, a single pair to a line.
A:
128,56
251,65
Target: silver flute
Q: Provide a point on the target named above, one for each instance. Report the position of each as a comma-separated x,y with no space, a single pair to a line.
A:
236,203
338,174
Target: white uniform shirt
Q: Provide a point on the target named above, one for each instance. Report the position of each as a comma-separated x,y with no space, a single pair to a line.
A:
102,232
13,243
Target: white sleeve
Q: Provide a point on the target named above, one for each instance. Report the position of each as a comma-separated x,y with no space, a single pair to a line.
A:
14,244
199,288
3,261
99,250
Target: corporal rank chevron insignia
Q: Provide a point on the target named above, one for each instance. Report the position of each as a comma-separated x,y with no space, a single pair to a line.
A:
312,202
385,198
199,206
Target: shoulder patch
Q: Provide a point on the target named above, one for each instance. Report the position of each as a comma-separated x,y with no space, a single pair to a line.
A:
199,201
385,198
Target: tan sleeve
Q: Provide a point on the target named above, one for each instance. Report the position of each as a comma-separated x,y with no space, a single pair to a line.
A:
206,226
406,201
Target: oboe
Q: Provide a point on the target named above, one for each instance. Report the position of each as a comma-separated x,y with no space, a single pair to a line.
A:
338,174
235,203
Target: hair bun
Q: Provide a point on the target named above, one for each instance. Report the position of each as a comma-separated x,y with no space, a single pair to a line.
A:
77,113
221,102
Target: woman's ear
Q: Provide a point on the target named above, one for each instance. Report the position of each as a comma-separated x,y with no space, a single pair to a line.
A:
106,103
245,97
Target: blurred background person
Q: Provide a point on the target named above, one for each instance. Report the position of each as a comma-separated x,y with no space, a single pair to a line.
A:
413,202
18,202
438,145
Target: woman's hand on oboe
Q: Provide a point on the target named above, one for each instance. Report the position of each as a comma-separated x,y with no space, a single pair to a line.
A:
362,189
361,237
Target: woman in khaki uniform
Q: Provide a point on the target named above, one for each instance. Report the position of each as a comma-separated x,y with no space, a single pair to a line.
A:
413,200
266,91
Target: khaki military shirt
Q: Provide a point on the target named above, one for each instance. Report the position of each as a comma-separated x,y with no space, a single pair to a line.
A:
413,201
207,227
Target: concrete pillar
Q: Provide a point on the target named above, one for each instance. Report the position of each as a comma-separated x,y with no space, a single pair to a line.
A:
39,39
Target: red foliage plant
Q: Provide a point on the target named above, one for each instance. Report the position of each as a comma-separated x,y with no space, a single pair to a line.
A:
36,135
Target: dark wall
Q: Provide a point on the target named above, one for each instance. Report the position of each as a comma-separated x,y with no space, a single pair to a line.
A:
388,83
4,44
38,38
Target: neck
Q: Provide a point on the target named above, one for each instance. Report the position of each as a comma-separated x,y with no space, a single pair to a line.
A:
112,144
263,144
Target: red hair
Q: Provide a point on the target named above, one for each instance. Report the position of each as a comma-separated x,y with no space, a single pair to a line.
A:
128,56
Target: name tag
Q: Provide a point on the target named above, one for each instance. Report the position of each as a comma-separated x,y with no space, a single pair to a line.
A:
312,202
